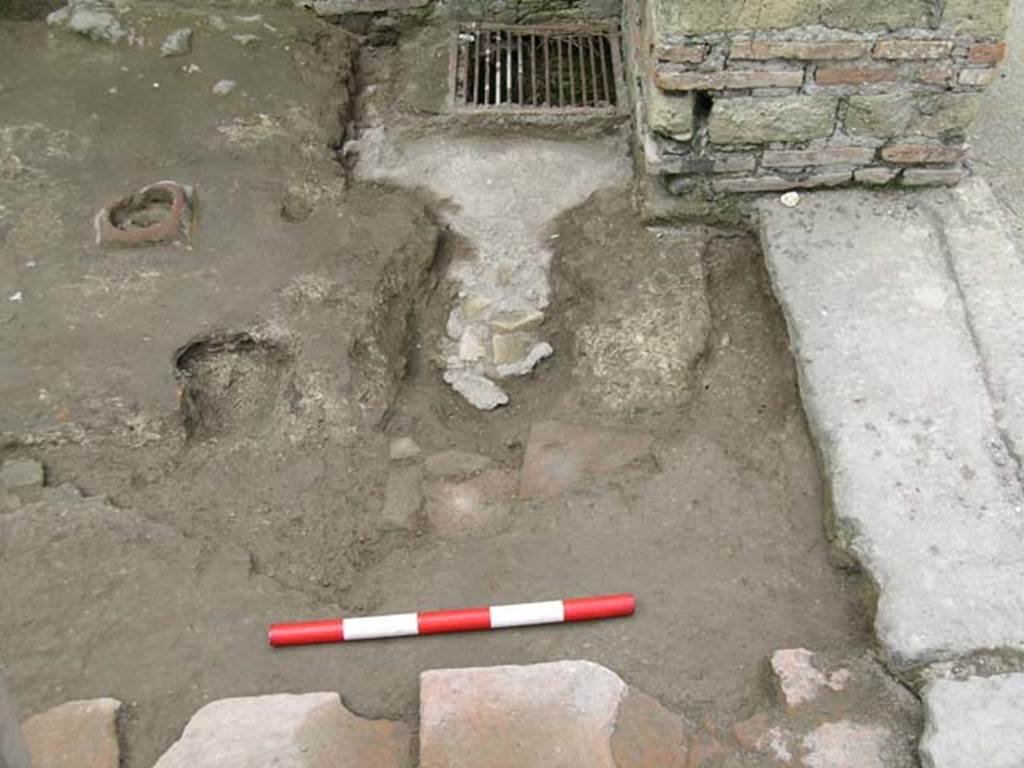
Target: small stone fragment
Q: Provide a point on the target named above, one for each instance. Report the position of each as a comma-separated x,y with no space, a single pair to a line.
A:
538,352
512,322
223,87
402,448
287,731
403,497
790,199
480,391
471,346
178,43
799,680
78,734
510,347
245,39
21,473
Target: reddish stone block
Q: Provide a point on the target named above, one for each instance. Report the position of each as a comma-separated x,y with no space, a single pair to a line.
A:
912,49
987,53
729,79
855,75
918,154
760,50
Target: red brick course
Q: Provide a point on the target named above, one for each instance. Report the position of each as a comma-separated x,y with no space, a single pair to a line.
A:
987,53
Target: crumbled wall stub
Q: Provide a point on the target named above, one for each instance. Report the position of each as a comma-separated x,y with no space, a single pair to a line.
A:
752,97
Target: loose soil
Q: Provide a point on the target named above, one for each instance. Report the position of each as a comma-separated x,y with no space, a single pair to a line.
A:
233,403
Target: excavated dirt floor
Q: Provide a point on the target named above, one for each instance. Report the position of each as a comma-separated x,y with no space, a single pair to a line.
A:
226,408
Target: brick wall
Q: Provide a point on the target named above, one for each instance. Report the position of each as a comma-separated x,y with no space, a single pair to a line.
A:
768,106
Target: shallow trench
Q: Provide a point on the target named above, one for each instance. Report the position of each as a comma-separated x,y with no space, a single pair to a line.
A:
717,527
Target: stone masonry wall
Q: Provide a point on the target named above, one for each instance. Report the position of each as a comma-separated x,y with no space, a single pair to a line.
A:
737,96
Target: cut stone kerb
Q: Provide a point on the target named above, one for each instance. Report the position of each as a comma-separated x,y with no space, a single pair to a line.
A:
158,213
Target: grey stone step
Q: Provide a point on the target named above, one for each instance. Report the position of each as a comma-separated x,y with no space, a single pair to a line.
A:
900,313
974,722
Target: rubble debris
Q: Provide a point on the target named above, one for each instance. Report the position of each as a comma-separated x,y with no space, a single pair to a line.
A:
158,213
223,87
178,43
799,679
480,391
96,19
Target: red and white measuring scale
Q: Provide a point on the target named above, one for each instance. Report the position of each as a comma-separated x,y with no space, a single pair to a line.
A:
459,620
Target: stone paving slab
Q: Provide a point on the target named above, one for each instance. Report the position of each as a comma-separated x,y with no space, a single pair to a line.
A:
897,342
974,722
990,272
78,734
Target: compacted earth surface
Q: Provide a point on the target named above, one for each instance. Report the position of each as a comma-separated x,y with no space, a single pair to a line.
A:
251,425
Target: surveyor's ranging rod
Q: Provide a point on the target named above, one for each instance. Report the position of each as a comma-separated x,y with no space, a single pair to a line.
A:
459,620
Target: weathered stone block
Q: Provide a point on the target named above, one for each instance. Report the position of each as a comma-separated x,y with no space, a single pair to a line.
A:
892,115
342,7
728,79
670,114
559,715
834,156
923,177
746,120
914,154
672,17
977,76
855,75
974,722
780,184
977,17
912,49
286,730
683,54
874,175
934,74
873,14
807,50
21,473
78,734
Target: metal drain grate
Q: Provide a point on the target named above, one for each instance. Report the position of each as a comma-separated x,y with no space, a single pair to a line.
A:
565,69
